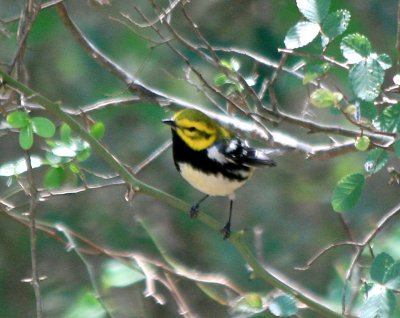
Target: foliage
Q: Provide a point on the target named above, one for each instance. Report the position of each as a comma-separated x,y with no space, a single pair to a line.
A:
65,160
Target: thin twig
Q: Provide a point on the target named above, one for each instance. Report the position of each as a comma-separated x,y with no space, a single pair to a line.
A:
313,259
381,224
184,309
33,237
315,56
89,268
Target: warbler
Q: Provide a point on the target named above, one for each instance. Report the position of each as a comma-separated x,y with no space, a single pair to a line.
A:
211,158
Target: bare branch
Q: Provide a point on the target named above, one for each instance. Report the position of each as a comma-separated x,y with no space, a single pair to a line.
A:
32,225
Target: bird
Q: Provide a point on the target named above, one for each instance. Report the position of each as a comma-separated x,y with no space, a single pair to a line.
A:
211,158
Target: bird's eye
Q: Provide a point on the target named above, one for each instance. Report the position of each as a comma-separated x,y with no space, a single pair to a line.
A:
191,129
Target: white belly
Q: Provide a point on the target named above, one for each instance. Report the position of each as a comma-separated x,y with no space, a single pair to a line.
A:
214,185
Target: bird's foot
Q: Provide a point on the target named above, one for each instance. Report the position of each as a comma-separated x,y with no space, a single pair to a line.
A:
226,230
194,210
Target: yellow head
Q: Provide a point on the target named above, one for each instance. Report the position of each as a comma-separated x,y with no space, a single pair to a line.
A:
196,129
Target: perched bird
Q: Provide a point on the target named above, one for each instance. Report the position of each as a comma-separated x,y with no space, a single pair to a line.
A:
211,158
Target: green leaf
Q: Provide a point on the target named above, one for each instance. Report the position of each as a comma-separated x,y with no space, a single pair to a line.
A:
366,78
301,34
314,10
65,133
220,79
384,61
43,127
18,119
17,167
396,146
83,154
97,130
323,98
347,192
389,120
368,111
87,306
379,267
314,71
26,137
376,160
283,306
380,303
117,274
54,177
64,150
250,303
233,64
74,168
392,276
355,48
336,23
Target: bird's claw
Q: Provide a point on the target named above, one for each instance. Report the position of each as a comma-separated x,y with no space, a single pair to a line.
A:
194,211
226,230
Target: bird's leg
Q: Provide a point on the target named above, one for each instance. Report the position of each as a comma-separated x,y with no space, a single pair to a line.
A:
226,230
194,210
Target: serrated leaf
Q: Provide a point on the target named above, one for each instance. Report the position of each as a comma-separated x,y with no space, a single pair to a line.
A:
97,130
389,120
379,267
368,111
65,133
376,160
347,192
54,177
18,119
43,127
384,61
380,303
314,10
26,137
355,48
116,274
283,306
301,34
336,23
17,167
391,278
323,98
366,78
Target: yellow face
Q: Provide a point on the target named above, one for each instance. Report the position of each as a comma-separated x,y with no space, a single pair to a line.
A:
197,130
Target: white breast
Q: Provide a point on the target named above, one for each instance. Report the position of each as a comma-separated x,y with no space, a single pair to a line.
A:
214,185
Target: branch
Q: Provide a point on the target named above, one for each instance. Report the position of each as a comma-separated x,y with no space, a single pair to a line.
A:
382,223
148,93
33,238
89,268
268,275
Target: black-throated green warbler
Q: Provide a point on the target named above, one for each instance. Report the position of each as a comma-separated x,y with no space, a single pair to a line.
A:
211,158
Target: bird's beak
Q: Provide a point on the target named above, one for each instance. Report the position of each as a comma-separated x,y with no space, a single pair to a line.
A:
169,122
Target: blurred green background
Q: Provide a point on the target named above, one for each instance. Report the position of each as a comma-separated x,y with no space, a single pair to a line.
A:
290,204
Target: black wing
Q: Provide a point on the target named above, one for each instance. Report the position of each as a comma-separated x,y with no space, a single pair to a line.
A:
240,152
